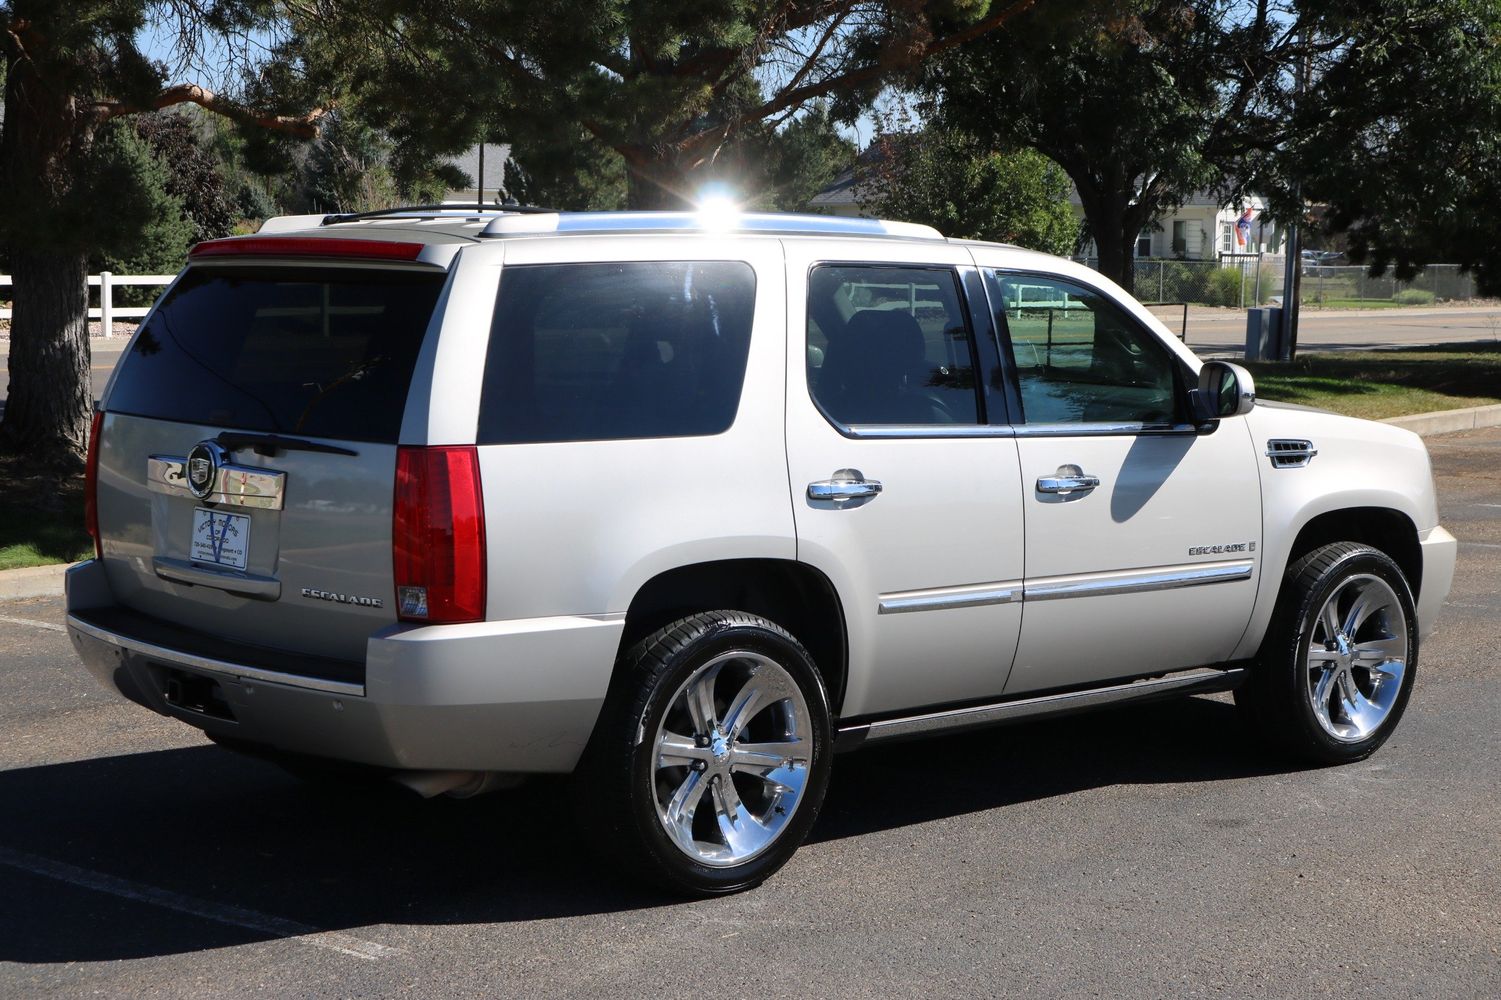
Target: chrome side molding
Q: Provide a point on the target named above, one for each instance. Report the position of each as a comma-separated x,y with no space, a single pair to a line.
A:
945,598
234,485
1167,578
1000,713
1059,587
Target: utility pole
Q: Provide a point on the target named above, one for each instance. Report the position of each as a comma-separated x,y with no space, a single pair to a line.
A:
479,194
1293,269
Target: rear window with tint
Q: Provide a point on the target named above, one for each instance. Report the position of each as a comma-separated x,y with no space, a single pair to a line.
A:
322,353
588,352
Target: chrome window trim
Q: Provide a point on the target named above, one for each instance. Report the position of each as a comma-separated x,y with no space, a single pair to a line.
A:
945,598
213,666
1101,430
234,485
1139,582
889,431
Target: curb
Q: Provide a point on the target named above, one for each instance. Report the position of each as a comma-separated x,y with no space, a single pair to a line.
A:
1449,421
33,581
47,581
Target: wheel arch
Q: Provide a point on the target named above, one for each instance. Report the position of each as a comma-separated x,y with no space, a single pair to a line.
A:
792,594
1384,528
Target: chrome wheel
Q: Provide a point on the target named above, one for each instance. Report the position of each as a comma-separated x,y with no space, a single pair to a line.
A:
1357,655
732,757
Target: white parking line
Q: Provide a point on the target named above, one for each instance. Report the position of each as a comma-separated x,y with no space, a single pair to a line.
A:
32,622
261,923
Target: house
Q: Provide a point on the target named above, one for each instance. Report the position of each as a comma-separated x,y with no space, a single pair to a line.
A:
487,189
1202,228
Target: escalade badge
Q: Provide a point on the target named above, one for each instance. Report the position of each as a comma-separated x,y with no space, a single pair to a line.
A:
329,595
203,469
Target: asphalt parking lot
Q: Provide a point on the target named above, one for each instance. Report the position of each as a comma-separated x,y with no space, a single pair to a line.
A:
1149,852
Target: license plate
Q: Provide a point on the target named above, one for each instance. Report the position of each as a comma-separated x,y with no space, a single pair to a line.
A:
220,539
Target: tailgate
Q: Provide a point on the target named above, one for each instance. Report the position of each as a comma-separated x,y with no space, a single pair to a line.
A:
248,453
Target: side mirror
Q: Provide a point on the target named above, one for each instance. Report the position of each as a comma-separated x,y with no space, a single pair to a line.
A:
1225,390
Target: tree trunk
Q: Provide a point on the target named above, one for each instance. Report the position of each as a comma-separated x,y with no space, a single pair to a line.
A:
655,181
51,393
1115,245
46,140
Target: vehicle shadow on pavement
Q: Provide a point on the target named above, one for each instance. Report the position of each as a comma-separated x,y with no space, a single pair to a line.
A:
204,824
1179,741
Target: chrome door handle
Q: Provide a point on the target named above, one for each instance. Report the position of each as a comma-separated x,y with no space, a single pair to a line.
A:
847,484
1068,479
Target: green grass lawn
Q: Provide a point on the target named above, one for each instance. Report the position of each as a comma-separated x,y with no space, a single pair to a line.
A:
1381,384
1311,303
41,517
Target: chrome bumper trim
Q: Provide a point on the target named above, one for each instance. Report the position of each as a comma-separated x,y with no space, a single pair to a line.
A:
213,666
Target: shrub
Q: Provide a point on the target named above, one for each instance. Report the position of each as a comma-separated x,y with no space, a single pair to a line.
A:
1223,287
1413,297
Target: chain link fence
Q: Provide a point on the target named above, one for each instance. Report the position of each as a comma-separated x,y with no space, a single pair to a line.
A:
1245,280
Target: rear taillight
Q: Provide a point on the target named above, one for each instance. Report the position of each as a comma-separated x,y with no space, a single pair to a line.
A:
438,535
91,484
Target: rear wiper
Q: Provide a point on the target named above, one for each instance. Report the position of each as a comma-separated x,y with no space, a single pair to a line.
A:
270,444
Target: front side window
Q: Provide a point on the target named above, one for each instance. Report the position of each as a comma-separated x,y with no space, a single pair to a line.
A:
1079,357
889,345
592,352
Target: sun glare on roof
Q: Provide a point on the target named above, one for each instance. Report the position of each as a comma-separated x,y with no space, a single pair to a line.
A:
718,211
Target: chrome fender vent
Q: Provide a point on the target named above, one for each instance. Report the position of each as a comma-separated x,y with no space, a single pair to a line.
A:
1290,453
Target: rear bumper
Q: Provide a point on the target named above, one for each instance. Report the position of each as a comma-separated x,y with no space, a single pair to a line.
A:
1439,552
517,696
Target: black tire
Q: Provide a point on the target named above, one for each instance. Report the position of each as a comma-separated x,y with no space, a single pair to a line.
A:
1280,696
620,781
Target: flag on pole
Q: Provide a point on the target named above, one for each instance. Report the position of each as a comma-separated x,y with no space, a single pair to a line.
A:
1243,227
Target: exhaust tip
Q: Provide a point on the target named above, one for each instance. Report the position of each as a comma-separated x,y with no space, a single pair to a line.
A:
455,784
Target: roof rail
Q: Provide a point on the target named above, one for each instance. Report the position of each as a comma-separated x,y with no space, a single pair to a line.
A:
537,223
448,209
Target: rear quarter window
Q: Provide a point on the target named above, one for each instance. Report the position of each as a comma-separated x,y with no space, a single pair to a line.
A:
317,353
608,351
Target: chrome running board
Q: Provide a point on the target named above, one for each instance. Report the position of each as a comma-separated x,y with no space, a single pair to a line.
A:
979,716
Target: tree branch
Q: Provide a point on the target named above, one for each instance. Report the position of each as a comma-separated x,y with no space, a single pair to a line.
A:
793,96
302,126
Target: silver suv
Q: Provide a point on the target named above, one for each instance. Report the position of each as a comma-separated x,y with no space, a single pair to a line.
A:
684,505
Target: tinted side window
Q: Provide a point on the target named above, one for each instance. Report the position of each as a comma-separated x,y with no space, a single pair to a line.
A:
889,345
587,352
1079,358
297,351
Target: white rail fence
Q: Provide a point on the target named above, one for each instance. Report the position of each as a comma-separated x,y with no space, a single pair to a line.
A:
107,312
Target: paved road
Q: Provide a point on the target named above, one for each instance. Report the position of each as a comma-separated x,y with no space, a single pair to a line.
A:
1223,331
1145,853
